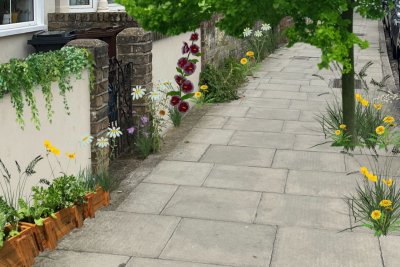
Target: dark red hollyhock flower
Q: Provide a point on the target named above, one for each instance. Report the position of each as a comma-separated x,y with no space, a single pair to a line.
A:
179,79
183,106
194,49
175,100
185,48
182,62
189,68
187,86
194,37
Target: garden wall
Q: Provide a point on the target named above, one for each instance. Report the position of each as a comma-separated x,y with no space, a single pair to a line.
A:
166,53
64,132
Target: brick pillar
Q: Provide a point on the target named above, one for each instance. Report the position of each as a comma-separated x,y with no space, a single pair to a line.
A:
99,94
135,45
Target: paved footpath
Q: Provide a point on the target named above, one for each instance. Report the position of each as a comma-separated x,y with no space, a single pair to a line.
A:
244,188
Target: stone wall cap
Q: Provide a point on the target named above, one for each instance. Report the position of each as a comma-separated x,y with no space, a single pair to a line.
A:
136,31
89,43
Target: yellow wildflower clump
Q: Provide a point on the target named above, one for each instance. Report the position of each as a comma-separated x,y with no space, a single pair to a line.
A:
380,130
197,94
204,87
338,132
377,106
388,119
243,61
388,182
50,148
376,215
364,170
250,54
343,126
385,203
370,176
364,102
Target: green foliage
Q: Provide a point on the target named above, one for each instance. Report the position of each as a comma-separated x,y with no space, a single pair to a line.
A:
2,224
223,81
33,214
20,78
262,42
63,192
175,116
105,180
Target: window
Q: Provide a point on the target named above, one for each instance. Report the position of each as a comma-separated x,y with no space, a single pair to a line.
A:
83,5
114,6
20,16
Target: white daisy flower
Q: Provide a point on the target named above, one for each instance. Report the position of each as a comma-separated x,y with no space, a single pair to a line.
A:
86,140
265,27
247,32
155,95
102,142
138,92
258,33
114,132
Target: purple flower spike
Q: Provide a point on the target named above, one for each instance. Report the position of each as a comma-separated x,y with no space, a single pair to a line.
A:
144,120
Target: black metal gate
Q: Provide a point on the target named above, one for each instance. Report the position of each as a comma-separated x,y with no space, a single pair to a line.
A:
120,110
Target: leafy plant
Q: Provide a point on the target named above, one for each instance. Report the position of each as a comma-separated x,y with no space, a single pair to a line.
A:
20,78
105,180
35,213
376,205
223,81
262,40
2,225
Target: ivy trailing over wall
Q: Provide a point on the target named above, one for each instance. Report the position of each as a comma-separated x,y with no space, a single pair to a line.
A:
21,77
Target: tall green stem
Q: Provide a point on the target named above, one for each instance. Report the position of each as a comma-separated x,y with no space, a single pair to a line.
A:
348,90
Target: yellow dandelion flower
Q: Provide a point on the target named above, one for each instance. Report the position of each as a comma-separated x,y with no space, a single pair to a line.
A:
380,130
388,119
372,177
358,97
55,150
250,54
364,102
364,170
197,94
338,132
204,87
47,144
71,155
376,215
388,182
243,61
342,126
385,203
377,106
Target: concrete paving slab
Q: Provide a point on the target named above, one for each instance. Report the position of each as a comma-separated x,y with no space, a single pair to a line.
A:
383,164
314,143
225,243
283,81
212,122
247,178
307,105
296,247
227,111
309,116
304,211
284,95
148,198
302,127
180,173
209,136
313,161
279,87
315,89
187,152
122,233
314,183
243,156
390,246
254,125
63,258
144,262
262,139
273,114
253,93
265,102
214,204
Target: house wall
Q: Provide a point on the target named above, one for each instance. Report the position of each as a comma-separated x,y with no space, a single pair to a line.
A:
15,46
64,132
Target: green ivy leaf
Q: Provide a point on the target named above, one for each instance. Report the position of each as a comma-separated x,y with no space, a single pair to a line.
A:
171,93
187,96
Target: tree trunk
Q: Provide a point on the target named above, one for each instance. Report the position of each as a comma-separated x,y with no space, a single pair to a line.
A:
348,84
